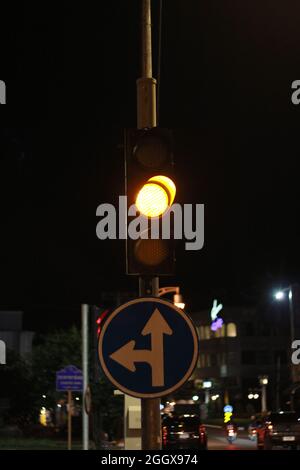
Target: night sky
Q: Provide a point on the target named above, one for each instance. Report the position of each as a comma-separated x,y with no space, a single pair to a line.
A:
226,75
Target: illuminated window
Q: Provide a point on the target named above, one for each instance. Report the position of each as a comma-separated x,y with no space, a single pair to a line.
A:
202,332
208,363
207,332
220,332
231,330
201,360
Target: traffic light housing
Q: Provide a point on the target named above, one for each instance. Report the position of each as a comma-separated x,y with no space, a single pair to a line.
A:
150,187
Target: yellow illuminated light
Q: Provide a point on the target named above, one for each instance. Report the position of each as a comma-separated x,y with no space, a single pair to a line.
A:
156,196
168,184
227,416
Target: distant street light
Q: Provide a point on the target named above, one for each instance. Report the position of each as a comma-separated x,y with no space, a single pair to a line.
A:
215,397
207,384
195,398
280,295
263,380
250,396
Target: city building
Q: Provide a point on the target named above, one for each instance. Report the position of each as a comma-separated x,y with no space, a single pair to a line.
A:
12,333
237,346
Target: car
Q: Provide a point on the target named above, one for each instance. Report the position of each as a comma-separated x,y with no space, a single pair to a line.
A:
183,432
279,429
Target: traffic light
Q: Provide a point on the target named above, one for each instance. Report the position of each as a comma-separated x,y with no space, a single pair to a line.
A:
97,318
151,189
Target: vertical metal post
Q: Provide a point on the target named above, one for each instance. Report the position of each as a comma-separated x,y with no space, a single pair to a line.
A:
146,85
69,420
263,398
85,416
278,370
151,423
292,328
291,308
146,118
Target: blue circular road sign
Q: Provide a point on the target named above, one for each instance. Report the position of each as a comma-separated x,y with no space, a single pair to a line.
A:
148,347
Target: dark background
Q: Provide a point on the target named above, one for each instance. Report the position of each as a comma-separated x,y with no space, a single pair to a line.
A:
70,70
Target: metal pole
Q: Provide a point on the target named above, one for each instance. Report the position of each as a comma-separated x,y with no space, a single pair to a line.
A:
263,399
146,118
278,367
69,420
146,40
291,307
146,85
292,328
85,416
151,423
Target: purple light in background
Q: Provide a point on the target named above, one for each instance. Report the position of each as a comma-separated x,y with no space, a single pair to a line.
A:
217,324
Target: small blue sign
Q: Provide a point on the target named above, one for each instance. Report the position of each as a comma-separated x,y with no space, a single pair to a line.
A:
148,347
69,378
228,409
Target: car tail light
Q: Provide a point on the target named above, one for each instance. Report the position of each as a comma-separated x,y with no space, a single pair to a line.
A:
202,431
164,435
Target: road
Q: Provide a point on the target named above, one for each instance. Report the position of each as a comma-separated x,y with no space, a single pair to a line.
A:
218,441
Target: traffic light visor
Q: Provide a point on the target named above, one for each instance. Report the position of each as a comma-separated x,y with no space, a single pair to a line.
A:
156,196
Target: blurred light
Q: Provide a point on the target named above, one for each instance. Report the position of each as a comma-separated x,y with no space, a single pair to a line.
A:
100,320
77,398
207,384
156,196
290,294
281,412
263,379
279,295
215,397
43,416
161,406
180,305
172,403
58,405
178,301
227,416
250,396
43,396
195,398
218,323
255,396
